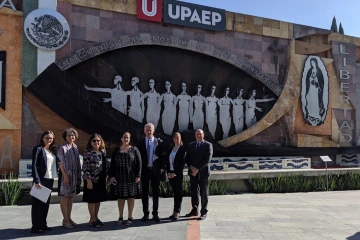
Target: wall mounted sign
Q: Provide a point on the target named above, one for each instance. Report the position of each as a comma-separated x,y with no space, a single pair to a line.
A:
314,91
150,10
46,29
2,78
193,15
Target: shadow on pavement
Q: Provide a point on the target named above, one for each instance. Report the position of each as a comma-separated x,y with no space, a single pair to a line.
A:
356,236
14,233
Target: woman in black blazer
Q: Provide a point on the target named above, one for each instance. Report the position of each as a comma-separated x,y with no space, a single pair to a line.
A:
44,170
175,161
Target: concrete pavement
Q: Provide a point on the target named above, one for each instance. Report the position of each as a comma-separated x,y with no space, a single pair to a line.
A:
320,215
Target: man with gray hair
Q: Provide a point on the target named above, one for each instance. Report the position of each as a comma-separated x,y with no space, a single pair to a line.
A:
151,150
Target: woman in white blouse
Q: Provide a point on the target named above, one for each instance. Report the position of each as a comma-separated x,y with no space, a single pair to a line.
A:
44,170
175,161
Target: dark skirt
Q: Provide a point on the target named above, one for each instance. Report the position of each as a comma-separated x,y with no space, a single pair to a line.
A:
97,193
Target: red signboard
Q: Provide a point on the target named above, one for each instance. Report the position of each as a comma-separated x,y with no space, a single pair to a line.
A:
150,10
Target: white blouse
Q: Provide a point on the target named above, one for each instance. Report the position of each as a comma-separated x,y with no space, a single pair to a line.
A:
51,166
172,158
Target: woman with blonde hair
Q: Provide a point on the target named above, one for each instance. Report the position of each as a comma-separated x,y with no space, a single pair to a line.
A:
175,162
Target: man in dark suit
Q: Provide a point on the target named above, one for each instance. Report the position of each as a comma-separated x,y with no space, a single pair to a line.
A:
198,159
151,150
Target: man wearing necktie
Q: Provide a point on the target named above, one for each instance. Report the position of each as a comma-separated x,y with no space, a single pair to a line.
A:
151,150
198,158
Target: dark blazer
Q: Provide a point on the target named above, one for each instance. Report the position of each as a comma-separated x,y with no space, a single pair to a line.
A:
179,161
39,164
200,157
159,152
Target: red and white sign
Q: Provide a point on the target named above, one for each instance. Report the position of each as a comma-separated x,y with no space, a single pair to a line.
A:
150,10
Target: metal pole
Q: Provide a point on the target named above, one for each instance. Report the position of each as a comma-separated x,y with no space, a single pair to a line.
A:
327,180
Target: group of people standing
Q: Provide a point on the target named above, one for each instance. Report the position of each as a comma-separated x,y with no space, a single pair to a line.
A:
130,172
192,109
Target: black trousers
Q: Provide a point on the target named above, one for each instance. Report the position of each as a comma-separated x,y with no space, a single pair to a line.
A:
147,177
39,209
176,184
199,186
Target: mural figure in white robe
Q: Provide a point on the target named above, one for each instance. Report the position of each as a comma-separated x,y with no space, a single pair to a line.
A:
136,109
224,113
153,104
118,95
250,117
196,109
211,111
183,100
238,111
169,114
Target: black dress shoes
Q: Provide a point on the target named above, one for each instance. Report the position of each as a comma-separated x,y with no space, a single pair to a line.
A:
156,218
46,228
192,214
202,217
36,231
145,217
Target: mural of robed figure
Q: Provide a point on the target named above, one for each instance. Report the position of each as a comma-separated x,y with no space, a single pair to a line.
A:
183,100
224,113
196,109
153,104
316,94
136,109
169,114
118,95
211,111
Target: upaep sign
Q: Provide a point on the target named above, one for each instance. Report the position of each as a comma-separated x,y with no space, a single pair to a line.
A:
193,15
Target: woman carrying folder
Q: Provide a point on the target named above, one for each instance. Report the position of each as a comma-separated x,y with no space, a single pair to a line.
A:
43,172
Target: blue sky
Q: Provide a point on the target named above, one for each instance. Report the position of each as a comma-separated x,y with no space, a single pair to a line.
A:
317,13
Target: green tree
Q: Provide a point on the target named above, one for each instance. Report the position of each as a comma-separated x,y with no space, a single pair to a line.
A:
341,30
334,25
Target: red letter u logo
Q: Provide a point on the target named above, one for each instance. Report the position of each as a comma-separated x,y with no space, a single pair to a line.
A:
145,8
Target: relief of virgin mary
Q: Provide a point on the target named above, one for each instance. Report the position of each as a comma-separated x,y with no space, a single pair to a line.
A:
314,108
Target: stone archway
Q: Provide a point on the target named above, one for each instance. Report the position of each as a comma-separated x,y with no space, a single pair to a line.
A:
168,41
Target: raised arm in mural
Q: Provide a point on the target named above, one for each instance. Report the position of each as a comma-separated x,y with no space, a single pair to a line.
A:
169,114
224,113
250,117
153,104
314,109
184,100
196,109
211,111
136,109
118,95
238,111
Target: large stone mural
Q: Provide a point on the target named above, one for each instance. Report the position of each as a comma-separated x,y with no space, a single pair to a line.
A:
176,89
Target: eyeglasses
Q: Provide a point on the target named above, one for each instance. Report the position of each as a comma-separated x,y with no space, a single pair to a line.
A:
95,140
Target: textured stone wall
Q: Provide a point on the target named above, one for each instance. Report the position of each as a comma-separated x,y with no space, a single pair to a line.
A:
11,117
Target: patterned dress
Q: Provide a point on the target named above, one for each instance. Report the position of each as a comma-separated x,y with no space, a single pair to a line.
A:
94,168
69,157
125,167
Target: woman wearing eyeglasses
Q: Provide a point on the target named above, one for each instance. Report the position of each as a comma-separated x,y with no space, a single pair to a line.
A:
94,175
